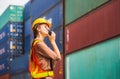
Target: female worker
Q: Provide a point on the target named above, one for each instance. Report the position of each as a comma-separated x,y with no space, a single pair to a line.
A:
42,58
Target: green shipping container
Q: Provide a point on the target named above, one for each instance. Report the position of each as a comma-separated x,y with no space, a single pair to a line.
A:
101,61
77,8
20,13
13,14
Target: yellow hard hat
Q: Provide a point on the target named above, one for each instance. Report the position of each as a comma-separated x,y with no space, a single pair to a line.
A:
41,21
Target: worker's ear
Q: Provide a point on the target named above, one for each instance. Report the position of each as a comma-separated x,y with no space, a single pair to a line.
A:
39,28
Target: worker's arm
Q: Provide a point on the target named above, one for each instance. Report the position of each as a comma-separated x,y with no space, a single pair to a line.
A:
52,38
45,50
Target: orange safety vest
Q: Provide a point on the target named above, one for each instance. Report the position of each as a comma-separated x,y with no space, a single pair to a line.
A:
34,67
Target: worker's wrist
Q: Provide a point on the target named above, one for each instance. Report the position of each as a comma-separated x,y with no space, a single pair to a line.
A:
52,41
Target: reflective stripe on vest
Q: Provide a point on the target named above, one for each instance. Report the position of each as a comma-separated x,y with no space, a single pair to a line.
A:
35,70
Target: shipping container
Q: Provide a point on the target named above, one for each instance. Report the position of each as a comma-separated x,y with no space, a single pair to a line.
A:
19,12
27,44
59,38
11,49
55,16
12,31
4,48
6,76
11,39
13,14
22,75
95,27
27,10
4,66
20,31
100,61
27,27
59,69
19,64
80,8
39,7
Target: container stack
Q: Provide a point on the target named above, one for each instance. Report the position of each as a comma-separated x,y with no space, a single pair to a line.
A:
20,69
52,11
27,28
92,39
11,36
11,31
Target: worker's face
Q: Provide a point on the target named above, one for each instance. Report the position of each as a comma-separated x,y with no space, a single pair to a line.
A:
43,29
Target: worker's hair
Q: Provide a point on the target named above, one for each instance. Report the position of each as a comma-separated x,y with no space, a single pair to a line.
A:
35,30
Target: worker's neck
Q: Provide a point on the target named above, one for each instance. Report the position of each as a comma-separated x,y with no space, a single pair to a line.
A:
40,37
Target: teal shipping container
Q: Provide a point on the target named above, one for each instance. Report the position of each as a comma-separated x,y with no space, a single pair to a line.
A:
12,14
101,61
77,8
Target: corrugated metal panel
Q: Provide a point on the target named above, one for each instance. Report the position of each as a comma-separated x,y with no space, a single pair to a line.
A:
58,70
38,7
12,14
78,8
12,31
27,44
55,15
23,75
12,49
27,10
6,76
8,30
4,48
59,38
19,12
19,64
3,35
96,27
27,27
11,38
4,66
101,61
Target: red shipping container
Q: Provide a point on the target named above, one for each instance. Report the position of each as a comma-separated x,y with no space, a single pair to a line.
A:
6,76
102,24
59,70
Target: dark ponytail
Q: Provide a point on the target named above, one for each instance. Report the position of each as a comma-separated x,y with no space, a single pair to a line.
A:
35,30
35,33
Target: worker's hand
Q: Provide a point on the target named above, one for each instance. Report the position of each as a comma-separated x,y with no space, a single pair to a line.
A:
52,37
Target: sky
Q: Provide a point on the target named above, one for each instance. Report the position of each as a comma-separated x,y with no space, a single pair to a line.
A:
5,3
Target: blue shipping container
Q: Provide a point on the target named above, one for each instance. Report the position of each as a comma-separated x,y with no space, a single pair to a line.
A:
55,15
27,11
22,75
10,48
4,48
27,44
11,31
27,29
38,7
19,27
59,38
4,66
19,64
